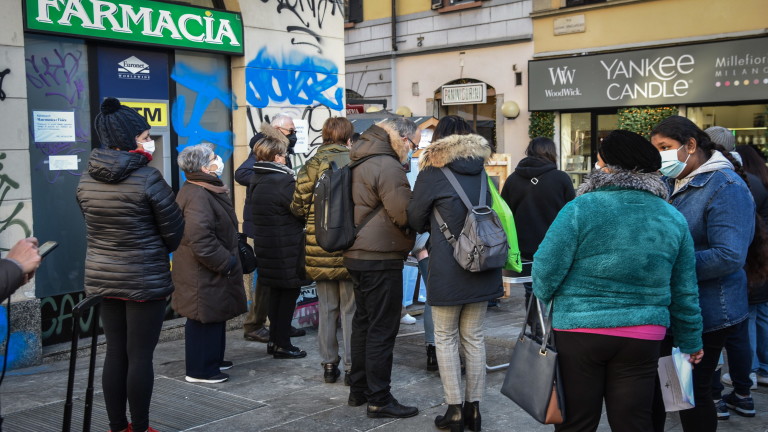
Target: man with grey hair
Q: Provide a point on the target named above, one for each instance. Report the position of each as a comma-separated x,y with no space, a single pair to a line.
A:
380,192
280,127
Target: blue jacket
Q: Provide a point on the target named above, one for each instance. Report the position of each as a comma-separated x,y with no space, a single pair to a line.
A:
618,256
721,217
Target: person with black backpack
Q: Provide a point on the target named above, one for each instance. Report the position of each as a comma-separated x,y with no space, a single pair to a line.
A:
375,260
458,296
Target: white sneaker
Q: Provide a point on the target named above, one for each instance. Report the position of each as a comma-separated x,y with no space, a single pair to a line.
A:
219,378
726,379
762,379
407,319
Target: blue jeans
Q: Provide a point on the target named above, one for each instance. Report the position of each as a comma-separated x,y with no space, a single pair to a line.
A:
758,337
429,325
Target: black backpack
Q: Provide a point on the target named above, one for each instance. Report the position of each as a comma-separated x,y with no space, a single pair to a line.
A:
335,228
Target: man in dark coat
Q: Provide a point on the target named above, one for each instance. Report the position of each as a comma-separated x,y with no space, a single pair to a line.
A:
281,126
375,261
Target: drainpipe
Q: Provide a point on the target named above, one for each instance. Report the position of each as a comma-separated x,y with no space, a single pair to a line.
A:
393,70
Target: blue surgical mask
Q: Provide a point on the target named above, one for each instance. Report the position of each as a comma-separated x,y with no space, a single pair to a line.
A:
671,166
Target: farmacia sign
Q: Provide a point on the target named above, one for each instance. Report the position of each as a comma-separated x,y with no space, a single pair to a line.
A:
139,21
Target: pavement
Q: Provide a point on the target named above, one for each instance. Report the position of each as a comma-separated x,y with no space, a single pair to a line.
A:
264,394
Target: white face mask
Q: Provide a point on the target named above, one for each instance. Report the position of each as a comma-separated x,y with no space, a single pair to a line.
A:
219,164
149,146
597,166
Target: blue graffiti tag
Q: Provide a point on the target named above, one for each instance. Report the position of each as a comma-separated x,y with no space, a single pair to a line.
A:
18,343
299,79
210,87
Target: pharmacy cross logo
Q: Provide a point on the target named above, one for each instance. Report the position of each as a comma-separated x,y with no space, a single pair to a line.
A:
133,68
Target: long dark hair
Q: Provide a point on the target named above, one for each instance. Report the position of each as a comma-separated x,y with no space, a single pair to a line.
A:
682,130
542,148
451,125
753,163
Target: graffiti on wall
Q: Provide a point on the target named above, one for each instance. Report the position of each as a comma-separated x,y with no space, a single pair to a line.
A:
208,88
2,77
307,13
58,76
18,344
12,222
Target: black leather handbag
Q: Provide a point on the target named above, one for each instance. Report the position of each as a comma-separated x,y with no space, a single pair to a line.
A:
532,379
247,257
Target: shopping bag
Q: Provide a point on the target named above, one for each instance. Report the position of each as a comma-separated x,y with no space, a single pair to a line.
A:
676,378
532,379
508,223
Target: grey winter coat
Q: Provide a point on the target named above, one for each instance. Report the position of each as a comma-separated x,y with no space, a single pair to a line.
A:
132,225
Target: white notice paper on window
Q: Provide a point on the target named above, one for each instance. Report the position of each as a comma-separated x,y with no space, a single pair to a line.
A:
62,163
54,126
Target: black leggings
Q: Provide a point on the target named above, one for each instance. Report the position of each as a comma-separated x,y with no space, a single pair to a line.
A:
132,330
619,370
282,303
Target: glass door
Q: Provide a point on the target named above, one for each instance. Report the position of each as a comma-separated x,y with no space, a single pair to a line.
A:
576,145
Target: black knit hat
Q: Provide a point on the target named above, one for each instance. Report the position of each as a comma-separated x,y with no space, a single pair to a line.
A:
631,151
118,126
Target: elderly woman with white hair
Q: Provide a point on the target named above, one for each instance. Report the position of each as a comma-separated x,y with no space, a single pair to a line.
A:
207,271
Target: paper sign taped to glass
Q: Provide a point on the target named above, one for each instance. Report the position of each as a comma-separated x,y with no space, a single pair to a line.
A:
676,378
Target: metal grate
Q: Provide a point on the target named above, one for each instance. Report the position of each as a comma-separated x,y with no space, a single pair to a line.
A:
176,406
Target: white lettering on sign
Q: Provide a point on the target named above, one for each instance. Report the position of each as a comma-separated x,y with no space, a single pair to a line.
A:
214,31
665,74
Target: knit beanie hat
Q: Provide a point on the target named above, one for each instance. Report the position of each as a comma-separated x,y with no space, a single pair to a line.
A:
118,126
630,151
722,136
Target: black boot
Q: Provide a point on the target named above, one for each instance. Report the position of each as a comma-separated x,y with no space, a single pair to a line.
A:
472,415
453,419
431,358
331,373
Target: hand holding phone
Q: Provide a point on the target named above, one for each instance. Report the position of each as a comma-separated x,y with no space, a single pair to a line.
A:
46,248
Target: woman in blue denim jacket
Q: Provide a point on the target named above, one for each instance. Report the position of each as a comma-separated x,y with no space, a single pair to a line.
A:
720,212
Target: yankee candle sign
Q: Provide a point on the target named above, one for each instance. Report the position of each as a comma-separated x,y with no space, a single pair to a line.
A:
142,21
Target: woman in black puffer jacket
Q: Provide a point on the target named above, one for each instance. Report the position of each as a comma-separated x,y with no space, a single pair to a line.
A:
133,224
278,242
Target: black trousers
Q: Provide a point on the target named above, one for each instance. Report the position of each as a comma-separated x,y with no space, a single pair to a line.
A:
620,370
282,304
204,345
703,417
739,361
378,298
132,330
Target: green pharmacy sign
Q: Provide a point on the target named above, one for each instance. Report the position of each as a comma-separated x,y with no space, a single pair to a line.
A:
139,21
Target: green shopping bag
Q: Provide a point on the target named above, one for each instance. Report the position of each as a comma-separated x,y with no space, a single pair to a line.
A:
508,223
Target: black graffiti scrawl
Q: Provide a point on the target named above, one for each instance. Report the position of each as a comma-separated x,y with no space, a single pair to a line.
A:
2,77
308,13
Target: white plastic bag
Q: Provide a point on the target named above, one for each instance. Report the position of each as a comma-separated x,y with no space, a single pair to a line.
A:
676,378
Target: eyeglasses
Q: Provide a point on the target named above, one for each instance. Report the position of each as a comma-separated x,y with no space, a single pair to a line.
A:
413,144
290,131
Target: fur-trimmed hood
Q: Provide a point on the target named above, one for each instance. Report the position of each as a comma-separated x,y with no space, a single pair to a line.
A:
379,139
625,179
272,132
454,147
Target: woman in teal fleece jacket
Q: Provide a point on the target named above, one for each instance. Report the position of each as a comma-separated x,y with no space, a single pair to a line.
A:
618,263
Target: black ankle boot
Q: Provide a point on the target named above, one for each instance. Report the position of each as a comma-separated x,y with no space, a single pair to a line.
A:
452,419
472,415
431,358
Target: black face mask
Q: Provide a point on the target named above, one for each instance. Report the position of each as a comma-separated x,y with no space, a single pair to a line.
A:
291,140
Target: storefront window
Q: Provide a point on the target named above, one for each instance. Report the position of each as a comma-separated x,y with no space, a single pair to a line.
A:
747,122
576,145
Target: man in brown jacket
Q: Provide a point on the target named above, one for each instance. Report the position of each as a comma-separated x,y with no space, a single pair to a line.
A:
375,261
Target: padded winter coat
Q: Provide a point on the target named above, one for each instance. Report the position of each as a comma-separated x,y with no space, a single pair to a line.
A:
320,265
132,224
380,181
465,155
206,268
279,235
